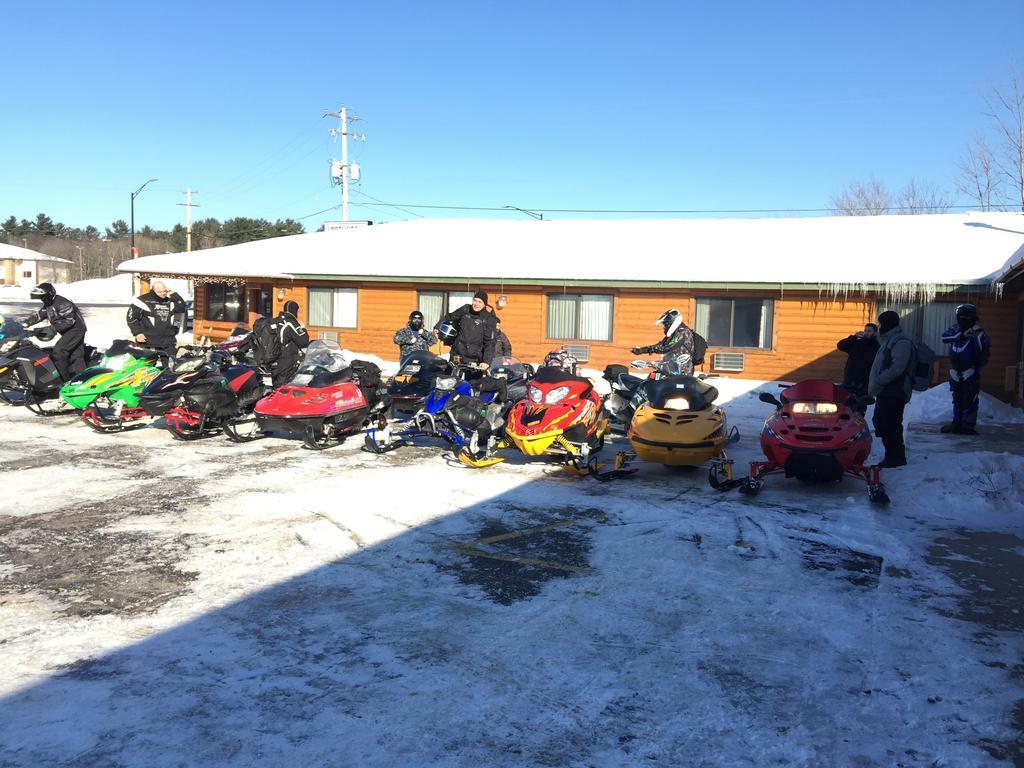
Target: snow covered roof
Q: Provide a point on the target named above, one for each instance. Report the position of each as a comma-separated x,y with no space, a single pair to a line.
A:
27,254
944,249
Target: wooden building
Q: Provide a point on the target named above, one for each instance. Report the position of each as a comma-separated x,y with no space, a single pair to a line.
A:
772,296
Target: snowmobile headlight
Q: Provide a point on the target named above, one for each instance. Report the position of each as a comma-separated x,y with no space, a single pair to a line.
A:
7,346
414,368
677,404
535,395
446,383
815,408
556,395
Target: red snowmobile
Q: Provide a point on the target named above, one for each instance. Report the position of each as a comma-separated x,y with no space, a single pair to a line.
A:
817,436
328,399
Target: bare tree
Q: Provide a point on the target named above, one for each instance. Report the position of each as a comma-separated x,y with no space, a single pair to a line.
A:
1006,110
976,174
922,197
863,199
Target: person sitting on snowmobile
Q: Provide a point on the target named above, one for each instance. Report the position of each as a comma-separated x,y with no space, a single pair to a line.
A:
413,337
968,354
68,354
678,342
151,318
475,332
275,342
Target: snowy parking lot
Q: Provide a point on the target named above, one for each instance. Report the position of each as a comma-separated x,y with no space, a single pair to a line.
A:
167,603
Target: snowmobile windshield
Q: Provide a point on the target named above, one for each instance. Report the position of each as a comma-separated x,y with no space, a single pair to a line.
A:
423,363
323,362
10,327
680,393
508,368
189,364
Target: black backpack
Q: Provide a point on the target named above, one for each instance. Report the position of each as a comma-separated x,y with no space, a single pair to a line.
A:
266,339
700,348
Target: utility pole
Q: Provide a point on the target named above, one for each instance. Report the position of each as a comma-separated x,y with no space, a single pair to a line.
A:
189,205
135,194
80,262
343,172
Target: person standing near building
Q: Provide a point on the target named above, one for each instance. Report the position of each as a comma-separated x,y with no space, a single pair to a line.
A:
861,349
413,337
890,383
475,332
68,354
968,354
152,318
502,345
275,343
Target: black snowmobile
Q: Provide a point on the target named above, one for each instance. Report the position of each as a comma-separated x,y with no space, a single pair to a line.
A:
205,395
27,374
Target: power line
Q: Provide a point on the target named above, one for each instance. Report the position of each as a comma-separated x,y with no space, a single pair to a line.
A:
505,209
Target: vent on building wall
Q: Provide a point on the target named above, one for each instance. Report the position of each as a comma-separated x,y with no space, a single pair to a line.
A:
328,336
727,361
580,351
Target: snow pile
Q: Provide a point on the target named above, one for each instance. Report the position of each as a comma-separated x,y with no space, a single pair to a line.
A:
936,406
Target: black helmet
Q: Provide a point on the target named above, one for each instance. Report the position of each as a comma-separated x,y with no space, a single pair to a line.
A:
415,315
292,308
447,332
46,333
670,320
45,292
966,316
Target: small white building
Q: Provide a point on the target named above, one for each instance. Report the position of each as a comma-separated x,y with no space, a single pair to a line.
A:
25,267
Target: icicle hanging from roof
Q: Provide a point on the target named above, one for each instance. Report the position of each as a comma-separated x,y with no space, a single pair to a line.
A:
892,293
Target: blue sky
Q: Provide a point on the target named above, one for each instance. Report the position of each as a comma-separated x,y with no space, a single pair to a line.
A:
667,105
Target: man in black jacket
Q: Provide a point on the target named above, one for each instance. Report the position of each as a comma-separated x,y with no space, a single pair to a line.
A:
475,326
678,341
68,354
861,349
152,318
276,341
502,346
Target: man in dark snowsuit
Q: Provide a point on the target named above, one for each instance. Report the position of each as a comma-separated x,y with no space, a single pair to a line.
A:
502,345
276,341
861,349
678,341
413,337
890,384
152,318
476,329
68,354
968,354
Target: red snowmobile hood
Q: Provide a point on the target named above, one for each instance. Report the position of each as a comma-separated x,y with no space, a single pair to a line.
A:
296,402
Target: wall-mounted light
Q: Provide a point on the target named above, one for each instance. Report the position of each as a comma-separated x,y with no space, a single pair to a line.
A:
280,293
501,301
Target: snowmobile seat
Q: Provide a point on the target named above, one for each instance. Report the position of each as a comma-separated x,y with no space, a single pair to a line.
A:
699,393
629,381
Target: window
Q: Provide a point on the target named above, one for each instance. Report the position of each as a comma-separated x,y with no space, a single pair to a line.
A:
925,322
579,317
333,307
435,304
226,303
735,322
26,274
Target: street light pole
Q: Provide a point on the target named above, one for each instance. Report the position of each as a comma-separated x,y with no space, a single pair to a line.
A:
134,195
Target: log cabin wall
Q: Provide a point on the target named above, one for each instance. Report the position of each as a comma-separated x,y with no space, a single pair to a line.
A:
805,328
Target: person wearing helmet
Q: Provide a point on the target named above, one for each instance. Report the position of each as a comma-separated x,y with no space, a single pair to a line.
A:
475,332
968,354
413,337
275,343
152,318
678,341
68,354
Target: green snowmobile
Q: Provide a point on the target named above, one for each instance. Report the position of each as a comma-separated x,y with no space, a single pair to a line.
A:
107,395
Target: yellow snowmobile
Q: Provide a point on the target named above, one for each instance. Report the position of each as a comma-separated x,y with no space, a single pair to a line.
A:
676,423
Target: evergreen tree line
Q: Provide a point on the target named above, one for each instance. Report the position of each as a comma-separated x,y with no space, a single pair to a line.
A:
96,254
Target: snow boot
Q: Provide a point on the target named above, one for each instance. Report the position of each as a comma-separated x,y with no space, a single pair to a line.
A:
892,463
967,429
950,428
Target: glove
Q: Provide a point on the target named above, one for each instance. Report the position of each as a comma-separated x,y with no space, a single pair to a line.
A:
639,350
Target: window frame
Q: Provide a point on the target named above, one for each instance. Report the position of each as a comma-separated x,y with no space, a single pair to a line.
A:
243,304
732,321
578,317
446,307
332,289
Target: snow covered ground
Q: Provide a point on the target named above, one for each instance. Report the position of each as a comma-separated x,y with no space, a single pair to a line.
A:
107,290
196,604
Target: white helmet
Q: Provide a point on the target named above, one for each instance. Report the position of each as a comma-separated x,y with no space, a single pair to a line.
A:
671,320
